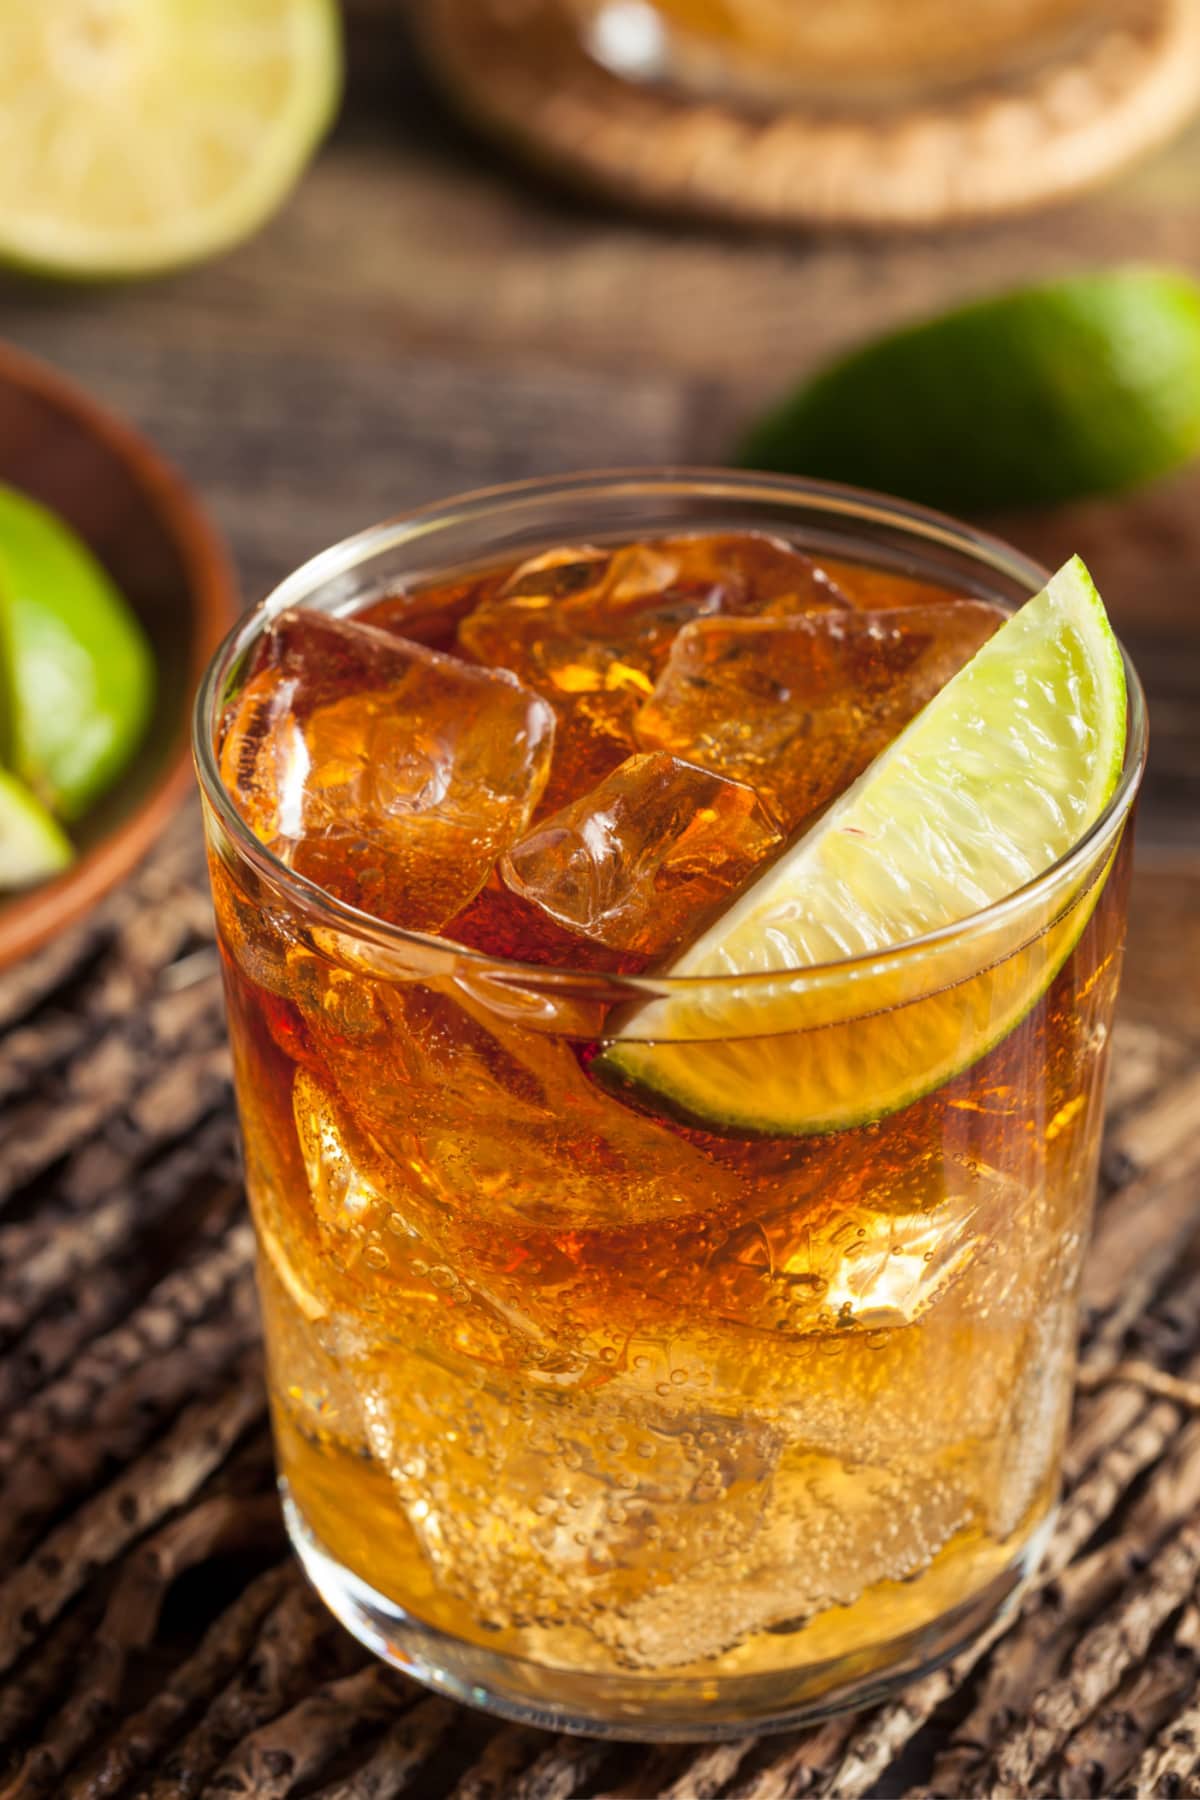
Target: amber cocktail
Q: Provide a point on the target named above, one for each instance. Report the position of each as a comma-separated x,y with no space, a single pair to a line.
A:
604,1402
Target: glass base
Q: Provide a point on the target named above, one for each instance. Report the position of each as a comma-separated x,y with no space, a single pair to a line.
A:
641,1708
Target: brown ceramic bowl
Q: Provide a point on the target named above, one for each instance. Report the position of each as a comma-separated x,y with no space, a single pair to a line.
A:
151,535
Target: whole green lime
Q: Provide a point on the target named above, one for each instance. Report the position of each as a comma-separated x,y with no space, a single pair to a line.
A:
1047,393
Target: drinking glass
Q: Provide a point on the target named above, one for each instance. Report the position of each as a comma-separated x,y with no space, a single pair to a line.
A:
621,1422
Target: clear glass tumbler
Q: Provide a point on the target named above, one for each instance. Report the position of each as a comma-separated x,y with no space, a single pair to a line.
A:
614,1422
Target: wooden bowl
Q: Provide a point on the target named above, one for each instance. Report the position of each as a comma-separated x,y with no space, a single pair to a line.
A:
143,524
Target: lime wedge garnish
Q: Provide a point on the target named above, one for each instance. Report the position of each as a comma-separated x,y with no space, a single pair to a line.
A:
1073,387
988,787
32,846
78,672
142,134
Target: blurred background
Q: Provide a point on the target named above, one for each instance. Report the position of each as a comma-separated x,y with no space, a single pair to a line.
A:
457,293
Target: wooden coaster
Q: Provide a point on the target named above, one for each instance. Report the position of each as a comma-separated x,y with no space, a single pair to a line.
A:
518,68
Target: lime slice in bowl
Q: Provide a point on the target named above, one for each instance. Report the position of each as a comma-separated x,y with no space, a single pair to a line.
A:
32,846
988,787
79,671
143,134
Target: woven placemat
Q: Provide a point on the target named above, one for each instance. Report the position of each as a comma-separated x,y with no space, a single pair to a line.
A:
518,68
157,1639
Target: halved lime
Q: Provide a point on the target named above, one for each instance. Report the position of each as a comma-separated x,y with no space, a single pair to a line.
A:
32,846
1070,387
79,673
989,786
142,134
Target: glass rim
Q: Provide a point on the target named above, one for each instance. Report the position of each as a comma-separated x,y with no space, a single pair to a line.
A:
831,499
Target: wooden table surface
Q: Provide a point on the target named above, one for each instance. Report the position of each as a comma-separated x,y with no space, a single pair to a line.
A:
423,318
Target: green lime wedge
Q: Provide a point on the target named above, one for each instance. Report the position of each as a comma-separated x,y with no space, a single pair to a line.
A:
1082,386
32,846
989,786
143,134
80,671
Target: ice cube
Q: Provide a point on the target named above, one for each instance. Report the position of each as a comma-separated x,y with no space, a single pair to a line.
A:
500,1134
388,773
253,932
384,1249
304,1342
542,1512
798,707
869,588
428,615
591,629
829,1534
732,572
641,861
762,574
347,1183
500,923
